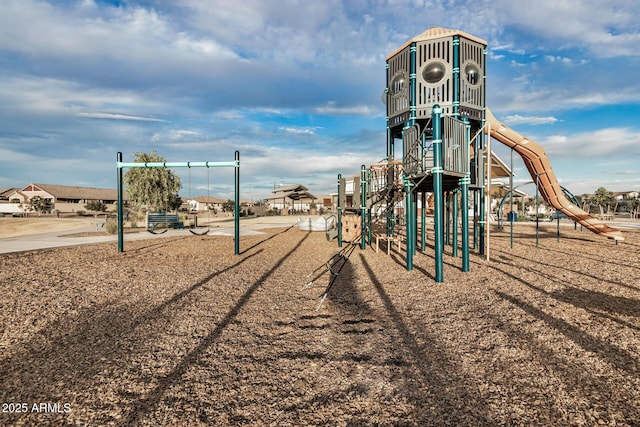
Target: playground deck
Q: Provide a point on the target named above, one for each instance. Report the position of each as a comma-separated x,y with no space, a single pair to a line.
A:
179,331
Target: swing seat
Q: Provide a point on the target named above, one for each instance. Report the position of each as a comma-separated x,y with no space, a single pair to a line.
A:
152,231
199,234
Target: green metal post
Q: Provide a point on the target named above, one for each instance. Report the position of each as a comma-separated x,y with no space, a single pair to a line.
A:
437,189
390,218
414,222
363,206
455,71
511,201
483,220
412,83
423,196
476,226
120,210
390,143
476,176
447,218
423,221
236,206
408,204
369,231
409,229
537,209
454,220
482,213
464,184
339,212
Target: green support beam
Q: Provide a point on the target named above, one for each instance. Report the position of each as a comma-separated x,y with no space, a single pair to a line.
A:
423,221
339,210
464,185
454,222
408,227
363,206
437,190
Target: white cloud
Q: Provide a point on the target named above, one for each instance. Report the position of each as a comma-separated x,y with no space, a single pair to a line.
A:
355,110
122,32
517,119
118,116
228,115
601,143
297,130
563,59
607,29
175,135
51,95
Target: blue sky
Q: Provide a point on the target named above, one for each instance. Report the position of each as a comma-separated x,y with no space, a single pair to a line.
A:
295,86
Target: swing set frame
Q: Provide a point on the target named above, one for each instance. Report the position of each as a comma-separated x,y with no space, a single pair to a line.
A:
120,165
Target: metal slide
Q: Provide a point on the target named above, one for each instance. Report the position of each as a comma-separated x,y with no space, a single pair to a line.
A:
538,165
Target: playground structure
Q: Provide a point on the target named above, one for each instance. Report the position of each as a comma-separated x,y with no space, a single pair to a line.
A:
120,165
435,99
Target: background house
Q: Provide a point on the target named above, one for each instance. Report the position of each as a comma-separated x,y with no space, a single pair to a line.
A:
291,199
7,206
5,192
204,204
63,198
621,196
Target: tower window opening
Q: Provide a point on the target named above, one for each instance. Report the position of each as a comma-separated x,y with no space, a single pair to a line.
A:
434,72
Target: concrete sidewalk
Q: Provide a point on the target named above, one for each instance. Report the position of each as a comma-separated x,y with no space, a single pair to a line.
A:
219,227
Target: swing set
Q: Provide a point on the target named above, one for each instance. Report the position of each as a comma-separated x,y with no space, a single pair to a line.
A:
120,165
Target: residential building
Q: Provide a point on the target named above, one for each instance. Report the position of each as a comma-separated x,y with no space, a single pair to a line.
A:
291,199
63,198
204,204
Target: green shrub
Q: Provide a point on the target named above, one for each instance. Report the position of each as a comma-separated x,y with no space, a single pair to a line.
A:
111,226
133,219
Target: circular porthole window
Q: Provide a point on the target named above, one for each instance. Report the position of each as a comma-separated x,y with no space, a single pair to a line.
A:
397,84
434,72
472,73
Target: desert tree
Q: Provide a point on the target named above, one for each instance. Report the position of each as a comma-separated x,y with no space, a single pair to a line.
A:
153,188
603,198
635,208
95,206
39,204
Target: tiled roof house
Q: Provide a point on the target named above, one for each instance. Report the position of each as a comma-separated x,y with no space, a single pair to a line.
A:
64,198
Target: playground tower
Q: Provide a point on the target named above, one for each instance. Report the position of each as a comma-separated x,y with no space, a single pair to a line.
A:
438,67
435,100
436,111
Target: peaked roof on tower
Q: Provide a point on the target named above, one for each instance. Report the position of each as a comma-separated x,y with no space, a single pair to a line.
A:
437,33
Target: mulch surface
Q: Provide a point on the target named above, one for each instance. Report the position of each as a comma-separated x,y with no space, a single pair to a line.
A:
179,331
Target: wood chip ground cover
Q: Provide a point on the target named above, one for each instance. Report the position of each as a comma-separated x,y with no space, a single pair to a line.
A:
179,331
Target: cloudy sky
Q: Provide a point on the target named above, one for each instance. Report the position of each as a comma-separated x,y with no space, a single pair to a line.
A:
295,86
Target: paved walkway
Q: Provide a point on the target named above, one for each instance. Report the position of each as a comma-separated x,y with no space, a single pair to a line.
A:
219,227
